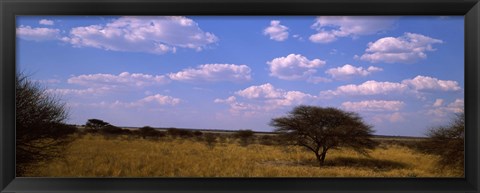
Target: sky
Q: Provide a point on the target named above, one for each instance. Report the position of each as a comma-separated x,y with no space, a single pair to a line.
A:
402,75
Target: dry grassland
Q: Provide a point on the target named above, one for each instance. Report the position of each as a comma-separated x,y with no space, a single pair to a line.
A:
126,156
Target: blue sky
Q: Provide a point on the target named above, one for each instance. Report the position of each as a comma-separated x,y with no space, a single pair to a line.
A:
403,75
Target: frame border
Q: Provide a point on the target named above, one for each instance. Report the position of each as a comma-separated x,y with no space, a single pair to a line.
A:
11,8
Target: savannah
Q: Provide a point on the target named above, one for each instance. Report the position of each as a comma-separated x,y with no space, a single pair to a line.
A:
345,147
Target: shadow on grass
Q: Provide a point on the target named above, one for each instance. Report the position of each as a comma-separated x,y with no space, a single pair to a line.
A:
371,163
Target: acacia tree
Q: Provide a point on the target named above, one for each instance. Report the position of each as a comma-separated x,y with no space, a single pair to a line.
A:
96,124
40,131
321,129
448,142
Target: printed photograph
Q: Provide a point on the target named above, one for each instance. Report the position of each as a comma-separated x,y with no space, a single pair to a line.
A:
240,96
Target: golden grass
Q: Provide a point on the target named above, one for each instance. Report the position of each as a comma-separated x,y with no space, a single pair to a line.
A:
96,156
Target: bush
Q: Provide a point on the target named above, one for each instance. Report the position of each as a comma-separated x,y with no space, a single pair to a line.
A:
110,129
245,136
174,132
267,140
210,139
150,132
197,133
448,142
40,129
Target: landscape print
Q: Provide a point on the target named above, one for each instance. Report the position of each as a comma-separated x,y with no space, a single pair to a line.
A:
240,96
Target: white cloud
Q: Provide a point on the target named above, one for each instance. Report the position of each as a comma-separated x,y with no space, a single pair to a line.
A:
88,91
348,71
298,37
46,22
317,79
149,101
151,34
348,26
159,99
230,99
289,98
37,34
264,98
425,83
323,37
456,106
276,31
391,117
408,48
373,105
261,91
294,67
240,107
214,72
49,81
122,80
442,110
438,103
370,87
415,85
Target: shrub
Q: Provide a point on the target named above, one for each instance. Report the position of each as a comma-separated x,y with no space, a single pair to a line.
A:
174,132
245,136
448,142
210,139
150,132
40,129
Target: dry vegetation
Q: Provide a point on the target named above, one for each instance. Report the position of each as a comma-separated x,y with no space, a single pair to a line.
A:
94,155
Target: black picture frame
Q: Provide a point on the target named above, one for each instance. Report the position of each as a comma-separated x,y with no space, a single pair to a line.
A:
470,9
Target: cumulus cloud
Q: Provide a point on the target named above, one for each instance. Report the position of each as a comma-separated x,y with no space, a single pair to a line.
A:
289,98
330,28
348,71
391,117
442,110
408,48
151,34
261,91
230,99
150,101
294,67
317,79
214,73
438,103
122,80
370,87
265,97
456,106
373,105
46,22
298,37
37,34
160,99
276,31
426,83
49,81
88,91
415,85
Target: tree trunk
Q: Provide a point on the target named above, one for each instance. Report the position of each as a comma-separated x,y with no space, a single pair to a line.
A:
323,155
320,158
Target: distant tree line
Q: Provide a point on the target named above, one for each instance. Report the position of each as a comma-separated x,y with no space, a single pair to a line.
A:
243,137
